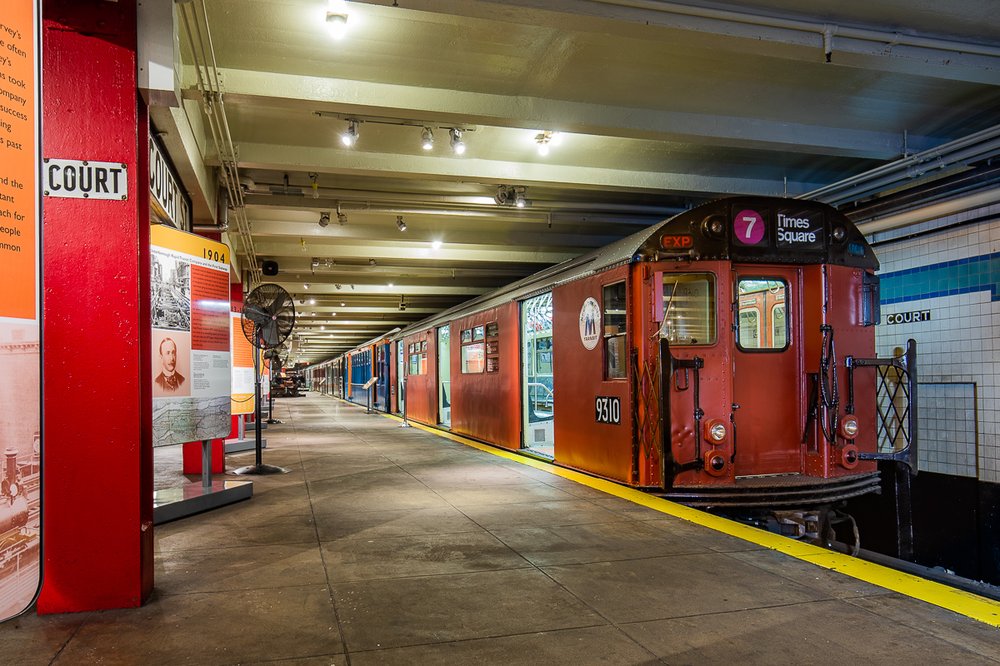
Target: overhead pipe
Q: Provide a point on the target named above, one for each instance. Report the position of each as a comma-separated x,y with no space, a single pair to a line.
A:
364,197
824,30
958,152
931,212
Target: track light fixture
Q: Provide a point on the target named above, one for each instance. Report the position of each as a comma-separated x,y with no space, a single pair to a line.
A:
427,139
324,219
350,137
315,263
306,285
341,216
371,262
457,145
511,195
400,224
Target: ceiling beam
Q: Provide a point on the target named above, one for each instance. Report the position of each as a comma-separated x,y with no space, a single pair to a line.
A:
772,33
320,159
459,107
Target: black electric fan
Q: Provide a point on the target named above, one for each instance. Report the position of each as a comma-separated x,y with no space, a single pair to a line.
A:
268,318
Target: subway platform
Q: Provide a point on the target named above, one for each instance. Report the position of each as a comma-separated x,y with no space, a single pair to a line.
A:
386,545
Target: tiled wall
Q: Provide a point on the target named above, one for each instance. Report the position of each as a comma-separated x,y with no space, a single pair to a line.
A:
955,274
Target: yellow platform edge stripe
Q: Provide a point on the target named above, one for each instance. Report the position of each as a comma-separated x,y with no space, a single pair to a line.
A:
959,601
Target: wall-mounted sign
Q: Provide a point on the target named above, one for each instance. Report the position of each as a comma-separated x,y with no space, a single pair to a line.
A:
168,202
84,179
191,337
20,349
908,317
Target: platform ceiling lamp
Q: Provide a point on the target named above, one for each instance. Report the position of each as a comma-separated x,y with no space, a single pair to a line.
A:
337,18
350,136
427,139
457,145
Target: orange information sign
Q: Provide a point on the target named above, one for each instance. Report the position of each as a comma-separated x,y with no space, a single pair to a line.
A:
243,381
18,150
20,353
189,309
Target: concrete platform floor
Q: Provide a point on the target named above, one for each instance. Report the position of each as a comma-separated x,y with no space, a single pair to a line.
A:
392,546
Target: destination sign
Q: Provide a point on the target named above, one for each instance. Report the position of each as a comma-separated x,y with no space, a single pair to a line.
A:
800,230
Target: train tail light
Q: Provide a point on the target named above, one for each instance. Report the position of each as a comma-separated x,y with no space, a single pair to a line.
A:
715,431
715,462
849,427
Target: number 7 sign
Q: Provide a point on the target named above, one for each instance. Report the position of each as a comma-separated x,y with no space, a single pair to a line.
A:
748,227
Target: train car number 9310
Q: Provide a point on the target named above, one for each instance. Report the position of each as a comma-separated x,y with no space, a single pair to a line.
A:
608,410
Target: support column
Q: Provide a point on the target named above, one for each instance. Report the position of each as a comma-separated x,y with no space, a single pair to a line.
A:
98,472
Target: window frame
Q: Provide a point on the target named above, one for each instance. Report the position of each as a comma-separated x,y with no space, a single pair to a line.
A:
612,338
764,325
712,309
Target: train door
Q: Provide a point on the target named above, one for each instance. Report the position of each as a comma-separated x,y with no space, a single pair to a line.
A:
537,398
767,370
444,375
400,377
382,387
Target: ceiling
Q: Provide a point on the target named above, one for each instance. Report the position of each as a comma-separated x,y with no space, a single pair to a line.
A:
658,106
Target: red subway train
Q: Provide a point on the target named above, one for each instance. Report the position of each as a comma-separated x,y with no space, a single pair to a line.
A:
721,358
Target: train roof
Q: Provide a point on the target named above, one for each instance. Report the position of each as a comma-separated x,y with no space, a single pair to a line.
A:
790,231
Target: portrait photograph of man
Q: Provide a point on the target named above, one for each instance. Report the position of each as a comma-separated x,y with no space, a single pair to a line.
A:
171,353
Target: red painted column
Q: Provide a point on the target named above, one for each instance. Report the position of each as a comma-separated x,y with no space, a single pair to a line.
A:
97,502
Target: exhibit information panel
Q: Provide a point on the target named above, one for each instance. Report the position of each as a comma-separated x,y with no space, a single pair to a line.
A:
20,359
242,397
191,357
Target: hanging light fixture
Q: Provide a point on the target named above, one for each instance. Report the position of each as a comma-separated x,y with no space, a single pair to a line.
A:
350,137
400,224
427,139
457,145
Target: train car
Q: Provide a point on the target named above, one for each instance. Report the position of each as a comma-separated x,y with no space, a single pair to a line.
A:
367,373
723,358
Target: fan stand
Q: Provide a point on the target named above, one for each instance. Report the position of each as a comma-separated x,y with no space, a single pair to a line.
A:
270,403
258,468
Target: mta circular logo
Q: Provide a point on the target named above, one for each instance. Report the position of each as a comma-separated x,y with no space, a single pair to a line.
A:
590,323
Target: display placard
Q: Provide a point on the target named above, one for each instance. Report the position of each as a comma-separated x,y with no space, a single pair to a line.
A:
191,337
20,351
242,397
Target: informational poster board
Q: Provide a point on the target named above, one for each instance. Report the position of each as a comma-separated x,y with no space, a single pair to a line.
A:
20,350
242,391
191,338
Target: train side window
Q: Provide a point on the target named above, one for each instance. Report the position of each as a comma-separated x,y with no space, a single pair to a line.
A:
763,320
689,308
615,355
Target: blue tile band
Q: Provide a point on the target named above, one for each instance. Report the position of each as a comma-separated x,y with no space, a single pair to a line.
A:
948,278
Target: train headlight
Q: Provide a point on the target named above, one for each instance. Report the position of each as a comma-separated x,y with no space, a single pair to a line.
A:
715,431
849,427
